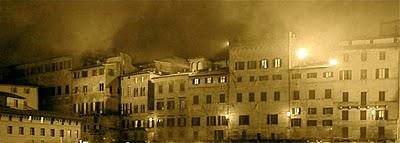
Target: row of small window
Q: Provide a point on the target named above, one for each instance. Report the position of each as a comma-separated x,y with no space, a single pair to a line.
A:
95,72
86,87
48,68
311,94
312,111
171,87
260,78
37,118
129,109
209,80
58,90
363,132
375,115
382,56
89,108
136,91
14,90
382,73
209,99
262,64
297,122
32,132
381,97
171,104
263,96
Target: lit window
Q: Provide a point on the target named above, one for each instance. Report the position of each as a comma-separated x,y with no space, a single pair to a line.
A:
296,111
209,80
196,81
327,74
277,63
382,73
381,114
222,79
264,64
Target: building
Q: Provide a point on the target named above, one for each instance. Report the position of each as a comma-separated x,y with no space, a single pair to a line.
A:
20,121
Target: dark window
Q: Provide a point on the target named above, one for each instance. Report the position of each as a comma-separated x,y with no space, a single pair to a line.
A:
84,73
42,132
345,115
363,74
296,95
211,121
239,97
311,94
9,130
59,90
328,93
170,105
160,105
382,95
312,75
263,77
381,132
239,66
244,120
32,131
251,64
277,96
66,89
327,123
195,99
363,115
263,96
296,76
363,98
239,79
251,97
222,98
94,72
277,77
272,119
345,96
345,75
170,122
182,87
311,122
208,99
195,121
312,111
21,130
345,132
171,87
252,79
295,122
110,72
181,122
328,110
363,132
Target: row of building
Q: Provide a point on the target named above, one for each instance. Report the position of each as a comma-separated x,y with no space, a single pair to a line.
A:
261,92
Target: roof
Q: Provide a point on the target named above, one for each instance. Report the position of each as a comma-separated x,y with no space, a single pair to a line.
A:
8,110
6,94
87,67
19,84
174,60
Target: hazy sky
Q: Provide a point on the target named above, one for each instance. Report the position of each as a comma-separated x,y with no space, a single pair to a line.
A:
146,30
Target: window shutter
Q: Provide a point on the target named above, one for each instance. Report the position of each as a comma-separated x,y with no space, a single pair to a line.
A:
386,114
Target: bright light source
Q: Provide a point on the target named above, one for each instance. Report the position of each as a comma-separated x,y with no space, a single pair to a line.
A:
302,53
288,114
226,44
150,119
333,62
226,116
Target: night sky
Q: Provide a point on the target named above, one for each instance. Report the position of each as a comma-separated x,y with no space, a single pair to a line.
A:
36,30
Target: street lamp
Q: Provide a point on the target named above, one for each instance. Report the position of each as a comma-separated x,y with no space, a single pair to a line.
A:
333,62
302,53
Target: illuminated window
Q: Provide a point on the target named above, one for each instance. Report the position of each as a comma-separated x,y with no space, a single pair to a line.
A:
382,73
296,111
277,63
381,114
209,80
264,64
222,79
196,81
327,74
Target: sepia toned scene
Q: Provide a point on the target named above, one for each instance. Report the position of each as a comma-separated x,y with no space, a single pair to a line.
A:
200,71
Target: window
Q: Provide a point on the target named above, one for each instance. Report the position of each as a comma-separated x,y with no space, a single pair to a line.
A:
27,90
84,73
239,66
61,133
363,132
195,134
328,110
382,73
345,132
327,123
195,121
32,131
327,74
42,132
328,93
345,115
263,77
244,120
263,96
160,105
251,97
312,75
296,95
296,111
363,74
312,111
252,65
277,96
345,75
101,71
196,81
382,95
222,79
239,79
276,77
346,57
182,87
85,89
170,105
181,122
14,89
222,98
264,64
196,99
9,130
363,98
277,63
295,122
311,122
239,97
363,56
160,88
66,89
170,87
110,72
208,99
381,132
363,115
170,122
252,79
272,119
211,120
21,130
296,76
182,103
101,87
381,114
94,72
345,96
382,55
311,94
160,123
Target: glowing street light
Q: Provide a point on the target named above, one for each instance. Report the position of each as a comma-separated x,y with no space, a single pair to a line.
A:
333,62
302,53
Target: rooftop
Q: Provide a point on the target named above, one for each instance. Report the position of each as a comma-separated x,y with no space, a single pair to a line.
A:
7,110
